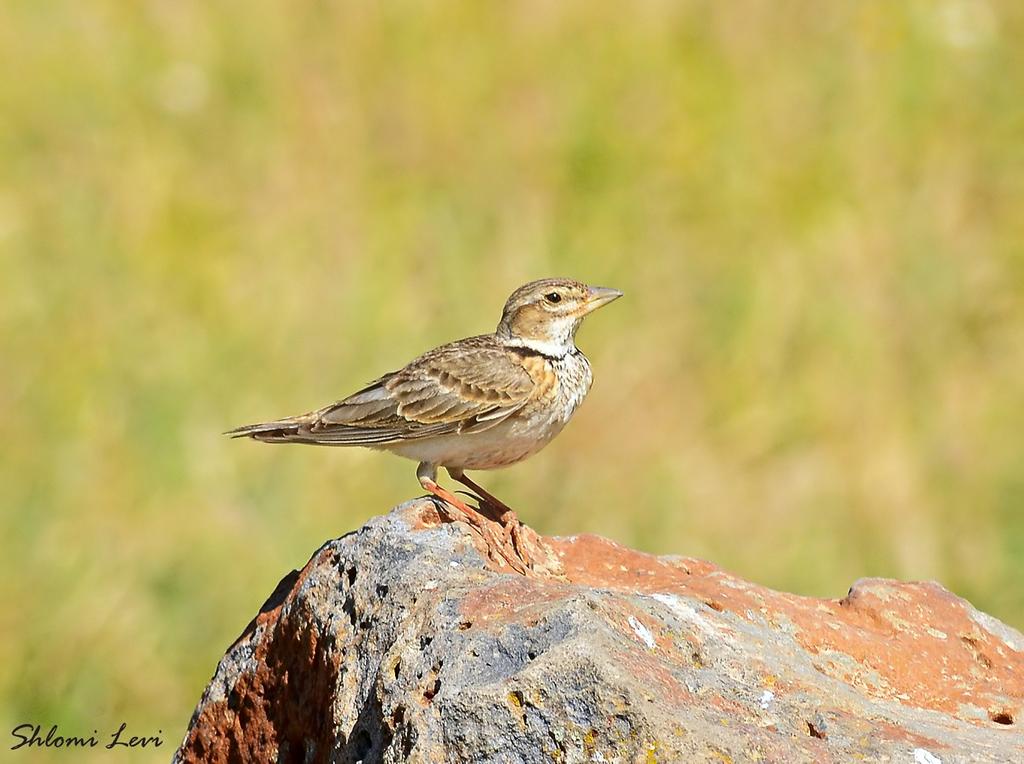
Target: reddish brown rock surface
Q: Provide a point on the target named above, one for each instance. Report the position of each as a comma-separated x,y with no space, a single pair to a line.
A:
400,643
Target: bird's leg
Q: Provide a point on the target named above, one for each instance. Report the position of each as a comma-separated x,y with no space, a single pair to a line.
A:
427,474
504,510
510,522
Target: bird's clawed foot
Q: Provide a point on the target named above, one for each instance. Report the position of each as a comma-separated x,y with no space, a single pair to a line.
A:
506,538
496,547
513,535
522,540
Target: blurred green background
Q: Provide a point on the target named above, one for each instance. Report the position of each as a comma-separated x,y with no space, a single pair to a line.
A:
215,213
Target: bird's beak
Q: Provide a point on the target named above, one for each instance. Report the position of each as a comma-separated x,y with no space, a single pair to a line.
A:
599,296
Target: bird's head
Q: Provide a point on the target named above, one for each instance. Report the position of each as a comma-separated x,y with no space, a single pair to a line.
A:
544,315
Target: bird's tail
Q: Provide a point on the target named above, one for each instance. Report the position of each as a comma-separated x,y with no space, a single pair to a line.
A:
287,430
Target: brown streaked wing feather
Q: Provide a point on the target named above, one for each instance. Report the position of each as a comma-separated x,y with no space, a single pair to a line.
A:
464,381
466,386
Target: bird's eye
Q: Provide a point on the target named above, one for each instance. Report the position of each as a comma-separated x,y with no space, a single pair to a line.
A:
553,297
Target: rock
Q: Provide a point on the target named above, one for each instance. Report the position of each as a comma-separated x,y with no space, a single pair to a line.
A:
402,643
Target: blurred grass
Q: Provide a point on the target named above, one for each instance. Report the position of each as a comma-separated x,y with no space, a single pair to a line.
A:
217,213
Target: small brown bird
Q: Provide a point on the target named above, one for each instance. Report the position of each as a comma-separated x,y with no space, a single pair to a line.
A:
475,404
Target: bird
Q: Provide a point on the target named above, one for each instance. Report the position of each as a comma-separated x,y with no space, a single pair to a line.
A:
480,403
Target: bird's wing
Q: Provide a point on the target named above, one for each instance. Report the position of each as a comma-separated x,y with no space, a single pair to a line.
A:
464,387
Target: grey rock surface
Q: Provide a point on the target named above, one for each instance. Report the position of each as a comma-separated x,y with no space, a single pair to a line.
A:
401,642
